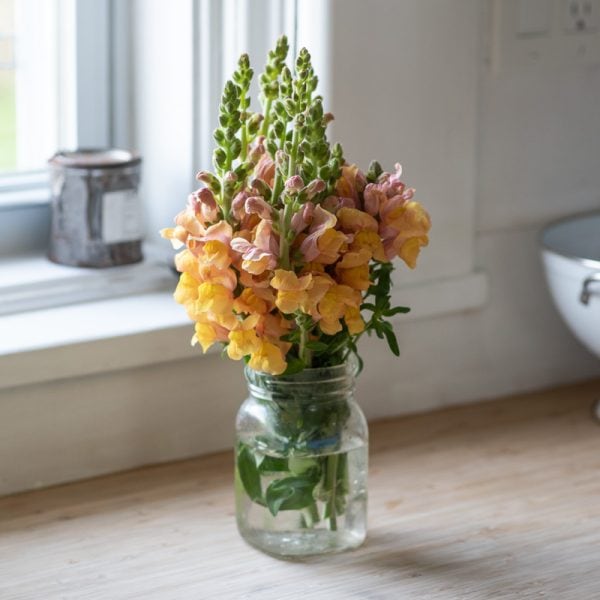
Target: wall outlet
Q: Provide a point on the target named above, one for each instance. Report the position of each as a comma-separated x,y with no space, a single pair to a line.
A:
581,16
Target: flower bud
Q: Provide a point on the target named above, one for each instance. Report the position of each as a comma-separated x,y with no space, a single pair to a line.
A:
316,186
257,205
281,160
220,158
294,184
210,180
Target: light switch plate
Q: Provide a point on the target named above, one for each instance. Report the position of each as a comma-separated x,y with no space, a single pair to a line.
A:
520,39
534,17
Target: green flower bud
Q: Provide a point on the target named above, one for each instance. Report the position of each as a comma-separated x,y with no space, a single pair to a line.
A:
219,136
374,171
254,123
220,158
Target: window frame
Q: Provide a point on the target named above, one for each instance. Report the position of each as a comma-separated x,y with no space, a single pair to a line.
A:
92,92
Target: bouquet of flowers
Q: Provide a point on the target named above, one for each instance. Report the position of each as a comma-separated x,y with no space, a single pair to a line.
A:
288,248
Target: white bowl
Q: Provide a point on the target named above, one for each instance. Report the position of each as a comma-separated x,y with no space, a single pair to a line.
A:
571,256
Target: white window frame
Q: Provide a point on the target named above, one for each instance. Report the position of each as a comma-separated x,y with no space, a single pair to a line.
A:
87,101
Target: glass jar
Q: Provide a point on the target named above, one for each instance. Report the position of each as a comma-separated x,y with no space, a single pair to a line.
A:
301,462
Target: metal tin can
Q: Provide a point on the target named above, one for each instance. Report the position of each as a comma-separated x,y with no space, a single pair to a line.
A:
96,214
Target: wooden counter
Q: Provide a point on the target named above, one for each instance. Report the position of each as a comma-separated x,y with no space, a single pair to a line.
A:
496,500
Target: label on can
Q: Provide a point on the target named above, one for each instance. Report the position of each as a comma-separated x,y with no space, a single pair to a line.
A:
121,217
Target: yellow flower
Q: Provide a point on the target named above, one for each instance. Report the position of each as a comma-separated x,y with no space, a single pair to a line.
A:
412,224
319,286
352,219
187,289
243,340
216,253
371,241
410,249
186,262
242,343
249,302
256,267
354,258
330,244
268,358
334,305
353,320
215,298
205,335
291,290
355,277
350,183
178,236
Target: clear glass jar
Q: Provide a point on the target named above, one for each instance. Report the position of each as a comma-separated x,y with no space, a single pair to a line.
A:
301,462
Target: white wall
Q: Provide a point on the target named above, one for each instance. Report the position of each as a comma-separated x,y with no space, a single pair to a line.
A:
494,155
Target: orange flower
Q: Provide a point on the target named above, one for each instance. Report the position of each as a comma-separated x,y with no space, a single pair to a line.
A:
291,290
268,358
352,220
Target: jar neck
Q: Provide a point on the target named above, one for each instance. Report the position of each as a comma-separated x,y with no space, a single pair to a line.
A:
322,384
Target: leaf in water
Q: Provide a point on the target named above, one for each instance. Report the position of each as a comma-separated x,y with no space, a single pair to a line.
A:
298,465
249,474
294,366
273,464
290,493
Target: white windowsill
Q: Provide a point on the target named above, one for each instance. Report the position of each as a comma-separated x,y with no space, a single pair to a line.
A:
137,330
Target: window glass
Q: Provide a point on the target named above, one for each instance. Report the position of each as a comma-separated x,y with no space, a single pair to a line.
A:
8,123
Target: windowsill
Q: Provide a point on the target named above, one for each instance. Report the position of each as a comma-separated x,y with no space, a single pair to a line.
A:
120,333
92,337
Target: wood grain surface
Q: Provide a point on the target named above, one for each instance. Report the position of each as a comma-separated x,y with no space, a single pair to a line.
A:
495,500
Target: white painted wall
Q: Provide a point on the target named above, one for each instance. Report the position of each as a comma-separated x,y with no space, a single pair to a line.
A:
494,156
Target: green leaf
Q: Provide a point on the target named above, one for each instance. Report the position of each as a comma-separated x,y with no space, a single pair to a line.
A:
390,336
295,365
308,468
316,346
273,464
249,474
290,493
394,311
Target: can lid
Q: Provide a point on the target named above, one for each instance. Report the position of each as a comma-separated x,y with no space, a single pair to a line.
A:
95,158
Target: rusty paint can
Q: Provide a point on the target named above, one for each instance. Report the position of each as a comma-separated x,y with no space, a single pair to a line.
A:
96,216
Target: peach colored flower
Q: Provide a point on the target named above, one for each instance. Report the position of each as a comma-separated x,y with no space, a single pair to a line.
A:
291,290
352,220
262,253
243,339
268,358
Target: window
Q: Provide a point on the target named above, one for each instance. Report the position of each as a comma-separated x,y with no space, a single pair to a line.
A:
55,92
54,82
112,69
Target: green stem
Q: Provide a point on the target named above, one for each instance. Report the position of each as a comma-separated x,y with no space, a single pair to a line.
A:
284,244
313,513
244,140
304,353
332,463
293,153
266,114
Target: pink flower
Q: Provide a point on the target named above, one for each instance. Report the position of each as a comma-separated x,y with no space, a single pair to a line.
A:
294,184
262,253
302,219
265,169
256,205
323,243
